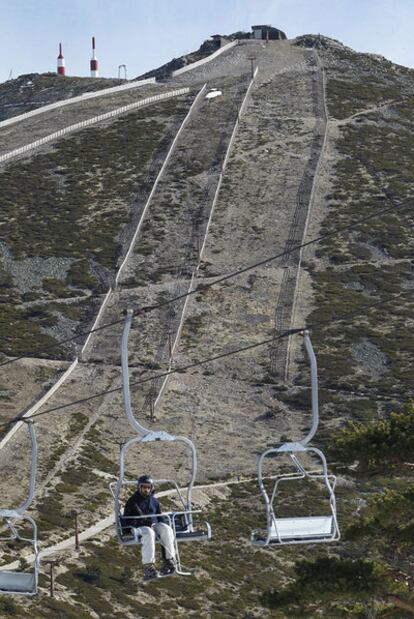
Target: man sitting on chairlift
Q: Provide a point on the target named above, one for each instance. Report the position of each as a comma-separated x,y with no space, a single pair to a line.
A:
144,503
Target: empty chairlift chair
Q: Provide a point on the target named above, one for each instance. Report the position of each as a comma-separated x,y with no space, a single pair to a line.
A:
16,526
299,529
181,520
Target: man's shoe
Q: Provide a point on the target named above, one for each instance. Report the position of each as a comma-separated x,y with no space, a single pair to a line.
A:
150,573
168,568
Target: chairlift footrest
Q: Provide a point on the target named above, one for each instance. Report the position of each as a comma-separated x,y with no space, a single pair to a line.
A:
191,536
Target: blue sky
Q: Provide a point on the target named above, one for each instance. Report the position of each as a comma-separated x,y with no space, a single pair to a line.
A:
146,33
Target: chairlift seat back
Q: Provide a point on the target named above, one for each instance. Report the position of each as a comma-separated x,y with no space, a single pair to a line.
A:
18,582
180,522
310,528
185,533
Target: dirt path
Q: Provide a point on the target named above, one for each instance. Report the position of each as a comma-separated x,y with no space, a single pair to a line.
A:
369,110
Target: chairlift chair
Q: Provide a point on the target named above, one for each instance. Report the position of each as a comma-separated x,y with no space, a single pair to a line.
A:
22,582
303,529
181,521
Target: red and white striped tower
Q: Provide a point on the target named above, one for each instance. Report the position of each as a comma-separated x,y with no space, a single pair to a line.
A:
94,62
60,62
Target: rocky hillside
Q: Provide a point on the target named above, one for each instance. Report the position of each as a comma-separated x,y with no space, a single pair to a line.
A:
31,91
322,150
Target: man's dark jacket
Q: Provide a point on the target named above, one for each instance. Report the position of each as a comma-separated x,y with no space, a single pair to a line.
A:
139,505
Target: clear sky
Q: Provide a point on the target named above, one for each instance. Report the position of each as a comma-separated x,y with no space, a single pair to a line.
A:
144,34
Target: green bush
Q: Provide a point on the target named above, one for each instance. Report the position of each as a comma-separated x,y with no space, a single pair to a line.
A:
387,442
389,518
8,608
51,607
56,287
330,577
80,277
91,574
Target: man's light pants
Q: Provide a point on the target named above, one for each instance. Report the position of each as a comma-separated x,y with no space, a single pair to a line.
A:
166,536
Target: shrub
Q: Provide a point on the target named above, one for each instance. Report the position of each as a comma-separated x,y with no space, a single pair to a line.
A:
332,577
389,518
8,608
385,442
91,575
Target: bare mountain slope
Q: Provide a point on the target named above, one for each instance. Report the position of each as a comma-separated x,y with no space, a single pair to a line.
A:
324,139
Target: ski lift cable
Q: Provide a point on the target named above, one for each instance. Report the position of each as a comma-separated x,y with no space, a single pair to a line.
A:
184,368
205,285
33,465
62,342
180,369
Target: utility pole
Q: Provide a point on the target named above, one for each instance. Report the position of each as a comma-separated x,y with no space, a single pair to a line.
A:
52,563
151,403
76,531
198,236
169,344
74,514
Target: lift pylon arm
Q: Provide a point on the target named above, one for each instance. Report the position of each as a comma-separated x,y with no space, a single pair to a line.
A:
314,388
136,426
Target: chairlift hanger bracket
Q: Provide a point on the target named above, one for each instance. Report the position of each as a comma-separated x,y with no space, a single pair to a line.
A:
158,436
22,583
182,521
308,529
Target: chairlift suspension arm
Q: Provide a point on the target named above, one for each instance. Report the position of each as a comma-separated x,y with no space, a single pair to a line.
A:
25,505
314,389
136,426
193,473
142,431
